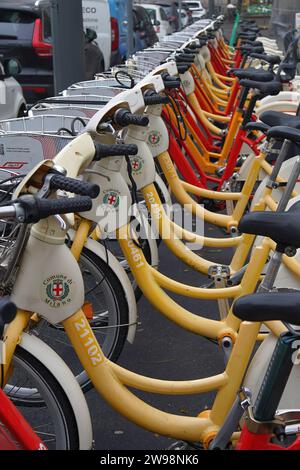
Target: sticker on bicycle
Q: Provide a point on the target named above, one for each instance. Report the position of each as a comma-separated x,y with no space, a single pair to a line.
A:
88,341
154,138
137,164
57,290
111,198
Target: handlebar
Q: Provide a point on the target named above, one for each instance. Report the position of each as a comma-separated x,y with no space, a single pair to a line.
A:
106,150
124,118
72,185
30,209
8,312
153,99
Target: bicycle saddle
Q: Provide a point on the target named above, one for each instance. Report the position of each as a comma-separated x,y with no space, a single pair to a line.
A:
277,118
271,59
249,49
284,132
284,306
254,44
282,227
251,73
247,35
266,88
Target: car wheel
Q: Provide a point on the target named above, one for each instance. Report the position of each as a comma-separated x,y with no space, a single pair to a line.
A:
22,111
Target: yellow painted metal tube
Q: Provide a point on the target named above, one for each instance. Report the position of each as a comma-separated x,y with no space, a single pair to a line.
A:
167,227
235,370
168,234
13,337
164,387
201,116
118,396
216,117
184,198
203,240
226,79
143,274
82,234
195,292
215,78
207,193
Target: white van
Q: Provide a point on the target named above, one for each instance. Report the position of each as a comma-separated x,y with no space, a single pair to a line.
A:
196,8
96,16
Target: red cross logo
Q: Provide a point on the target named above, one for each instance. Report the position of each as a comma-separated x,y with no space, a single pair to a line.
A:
57,289
112,200
153,138
135,165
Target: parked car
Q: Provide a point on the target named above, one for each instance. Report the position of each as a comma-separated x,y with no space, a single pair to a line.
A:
143,26
25,33
159,19
12,102
196,8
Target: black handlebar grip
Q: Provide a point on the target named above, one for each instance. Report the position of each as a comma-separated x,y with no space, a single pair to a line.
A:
8,311
189,58
36,209
47,207
156,99
182,68
189,51
72,185
116,150
193,45
123,118
172,84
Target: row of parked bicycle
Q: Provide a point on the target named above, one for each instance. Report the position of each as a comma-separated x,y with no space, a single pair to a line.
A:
87,187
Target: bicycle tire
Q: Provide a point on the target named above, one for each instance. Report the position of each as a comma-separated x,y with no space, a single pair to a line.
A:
54,397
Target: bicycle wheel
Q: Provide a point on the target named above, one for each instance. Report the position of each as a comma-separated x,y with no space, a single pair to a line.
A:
110,316
54,420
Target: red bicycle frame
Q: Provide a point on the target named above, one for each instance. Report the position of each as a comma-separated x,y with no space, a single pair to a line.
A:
252,441
15,432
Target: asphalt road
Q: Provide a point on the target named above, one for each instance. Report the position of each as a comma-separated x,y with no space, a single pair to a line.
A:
163,350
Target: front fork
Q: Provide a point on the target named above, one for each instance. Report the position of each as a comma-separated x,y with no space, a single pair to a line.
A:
11,339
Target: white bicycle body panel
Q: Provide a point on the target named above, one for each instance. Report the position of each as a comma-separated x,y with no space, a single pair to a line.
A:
111,209
285,278
170,67
257,369
188,83
53,362
157,133
131,99
49,281
286,101
142,164
284,173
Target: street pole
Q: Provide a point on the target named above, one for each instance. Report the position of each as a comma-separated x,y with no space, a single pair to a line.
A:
130,42
68,43
211,8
